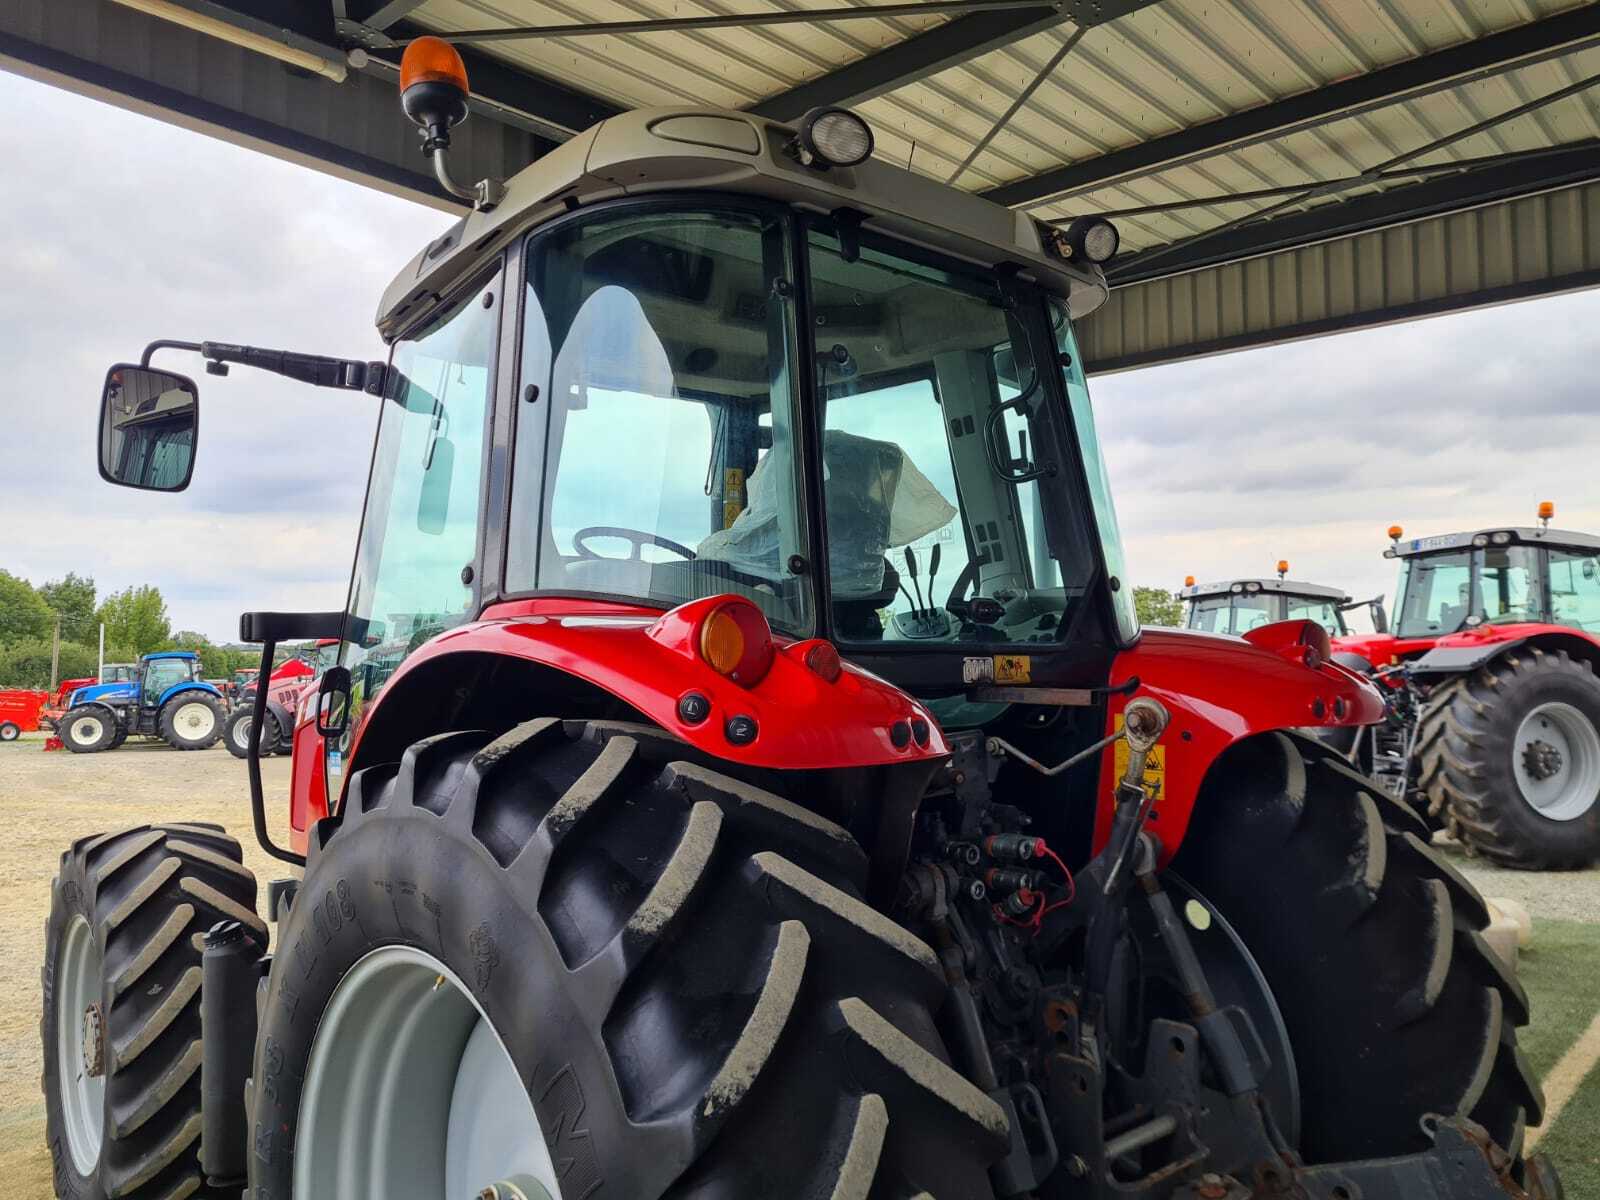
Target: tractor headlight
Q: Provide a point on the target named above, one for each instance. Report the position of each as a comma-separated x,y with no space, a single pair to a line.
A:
1092,239
1501,538
834,137
1480,539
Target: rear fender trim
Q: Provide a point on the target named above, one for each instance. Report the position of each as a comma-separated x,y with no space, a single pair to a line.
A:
1457,660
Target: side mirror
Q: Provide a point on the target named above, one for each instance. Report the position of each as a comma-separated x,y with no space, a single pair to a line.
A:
333,702
148,423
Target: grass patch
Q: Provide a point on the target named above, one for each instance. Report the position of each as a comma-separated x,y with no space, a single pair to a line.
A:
1561,972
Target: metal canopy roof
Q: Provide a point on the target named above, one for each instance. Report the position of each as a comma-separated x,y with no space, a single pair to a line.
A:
1261,154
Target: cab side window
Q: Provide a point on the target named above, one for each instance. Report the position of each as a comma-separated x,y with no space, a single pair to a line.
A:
1575,589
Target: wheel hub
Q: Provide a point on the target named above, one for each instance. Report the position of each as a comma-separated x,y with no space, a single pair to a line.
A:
1541,760
1556,759
94,1042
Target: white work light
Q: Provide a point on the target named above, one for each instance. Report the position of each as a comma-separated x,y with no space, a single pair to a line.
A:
834,137
1092,239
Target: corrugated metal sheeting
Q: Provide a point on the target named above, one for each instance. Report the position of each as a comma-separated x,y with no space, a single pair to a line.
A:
1506,251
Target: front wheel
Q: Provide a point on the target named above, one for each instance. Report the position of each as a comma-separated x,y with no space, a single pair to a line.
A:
191,721
121,1012
88,729
236,733
1371,946
1513,760
602,972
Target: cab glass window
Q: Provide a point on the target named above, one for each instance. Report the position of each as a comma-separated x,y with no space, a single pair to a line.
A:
1575,588
1210,616
1323,612
656,456
937,432
1435,593
420,527
1508,583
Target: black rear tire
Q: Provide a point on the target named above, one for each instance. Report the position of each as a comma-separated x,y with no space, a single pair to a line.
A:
678,964
180,732
1468,754
88,729
236,733
147,896
1371,944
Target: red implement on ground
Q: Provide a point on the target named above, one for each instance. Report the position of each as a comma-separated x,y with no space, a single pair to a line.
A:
19,711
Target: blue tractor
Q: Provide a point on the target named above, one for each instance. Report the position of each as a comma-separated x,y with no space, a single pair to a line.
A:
165,698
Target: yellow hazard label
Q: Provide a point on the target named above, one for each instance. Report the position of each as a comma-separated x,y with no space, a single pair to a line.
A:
732,495
1155,765
1013,668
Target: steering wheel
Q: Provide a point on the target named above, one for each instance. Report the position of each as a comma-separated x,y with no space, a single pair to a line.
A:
637,538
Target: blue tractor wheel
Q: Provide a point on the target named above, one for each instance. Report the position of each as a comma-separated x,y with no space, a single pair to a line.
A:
191,720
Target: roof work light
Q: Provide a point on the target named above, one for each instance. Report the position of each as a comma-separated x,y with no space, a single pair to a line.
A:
833,137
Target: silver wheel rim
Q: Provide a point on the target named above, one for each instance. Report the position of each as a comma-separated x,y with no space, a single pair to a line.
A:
83,1096
194,720
410,1093
86,731
9,733
1570,789
241,733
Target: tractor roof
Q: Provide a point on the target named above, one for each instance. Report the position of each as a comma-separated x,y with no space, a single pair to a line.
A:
729,153
189,654
1284,587
1506,534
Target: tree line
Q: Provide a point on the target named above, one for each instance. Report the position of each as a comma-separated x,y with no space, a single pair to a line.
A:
135,618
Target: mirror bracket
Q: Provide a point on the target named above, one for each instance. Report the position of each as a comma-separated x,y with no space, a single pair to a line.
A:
317,369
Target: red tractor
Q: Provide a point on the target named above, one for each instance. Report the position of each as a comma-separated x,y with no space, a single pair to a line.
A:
744,774
285,687
1492,660
1239,605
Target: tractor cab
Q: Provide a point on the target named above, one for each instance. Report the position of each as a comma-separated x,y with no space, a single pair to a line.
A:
1507,576
1237,606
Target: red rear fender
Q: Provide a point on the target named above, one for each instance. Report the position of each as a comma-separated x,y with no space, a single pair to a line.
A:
1220,690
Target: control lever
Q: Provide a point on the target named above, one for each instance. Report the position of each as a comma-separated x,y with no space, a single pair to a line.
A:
933,569
911,566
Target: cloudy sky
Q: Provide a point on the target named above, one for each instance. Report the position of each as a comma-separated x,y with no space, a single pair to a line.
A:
116,229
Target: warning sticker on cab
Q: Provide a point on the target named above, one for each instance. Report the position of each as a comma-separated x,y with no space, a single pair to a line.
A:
1155,765
1013,668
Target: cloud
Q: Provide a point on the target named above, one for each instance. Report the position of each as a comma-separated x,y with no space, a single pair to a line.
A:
1310,450
117,230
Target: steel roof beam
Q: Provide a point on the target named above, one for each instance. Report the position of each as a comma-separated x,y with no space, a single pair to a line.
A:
924,54
1453,67
1509,178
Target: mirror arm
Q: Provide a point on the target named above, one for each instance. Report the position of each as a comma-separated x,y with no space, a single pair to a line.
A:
316,369
166,345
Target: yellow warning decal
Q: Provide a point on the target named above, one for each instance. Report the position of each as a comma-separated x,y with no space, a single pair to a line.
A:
1013,668
1155,766
733,498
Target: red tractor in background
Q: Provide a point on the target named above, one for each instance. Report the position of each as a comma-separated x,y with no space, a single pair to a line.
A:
1492,663
1239,605
287,684
670,826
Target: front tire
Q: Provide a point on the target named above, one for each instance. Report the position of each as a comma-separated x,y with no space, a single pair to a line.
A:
191,721
1511,759
1372,946
121,1013
677,967
88,729
236,733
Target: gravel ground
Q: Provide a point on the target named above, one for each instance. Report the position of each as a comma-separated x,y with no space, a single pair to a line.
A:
1547,895
46,801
